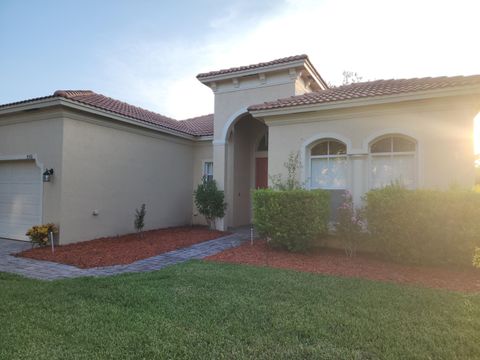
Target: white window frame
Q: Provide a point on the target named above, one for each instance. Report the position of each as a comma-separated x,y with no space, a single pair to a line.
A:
391,155
204,168
328,157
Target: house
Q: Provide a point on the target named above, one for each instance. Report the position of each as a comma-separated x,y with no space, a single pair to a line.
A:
104,158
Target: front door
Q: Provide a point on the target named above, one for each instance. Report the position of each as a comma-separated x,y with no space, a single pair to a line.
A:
261,173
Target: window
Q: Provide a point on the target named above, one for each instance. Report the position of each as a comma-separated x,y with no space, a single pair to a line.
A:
263,144
328,165
392,161
208,170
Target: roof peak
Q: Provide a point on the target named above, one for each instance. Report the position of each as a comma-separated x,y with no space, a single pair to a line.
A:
70,93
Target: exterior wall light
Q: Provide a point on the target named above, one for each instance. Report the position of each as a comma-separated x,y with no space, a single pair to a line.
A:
47,175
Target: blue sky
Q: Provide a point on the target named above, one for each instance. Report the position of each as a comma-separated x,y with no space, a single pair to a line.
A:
148,52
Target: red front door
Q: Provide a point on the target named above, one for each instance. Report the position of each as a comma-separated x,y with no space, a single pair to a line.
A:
261,173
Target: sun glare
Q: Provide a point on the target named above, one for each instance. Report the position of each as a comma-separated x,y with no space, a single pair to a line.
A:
476,138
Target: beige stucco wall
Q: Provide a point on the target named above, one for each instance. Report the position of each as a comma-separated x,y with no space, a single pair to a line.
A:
38,133
443,130
233,103
103,165
114,169
202,152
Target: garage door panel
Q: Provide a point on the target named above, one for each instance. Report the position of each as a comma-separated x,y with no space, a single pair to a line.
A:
12,199
19,188
24,210
20,198
16,221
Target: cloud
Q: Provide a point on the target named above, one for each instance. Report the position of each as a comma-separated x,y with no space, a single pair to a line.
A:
377,39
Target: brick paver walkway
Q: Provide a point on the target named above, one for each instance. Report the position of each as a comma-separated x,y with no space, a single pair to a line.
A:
46,270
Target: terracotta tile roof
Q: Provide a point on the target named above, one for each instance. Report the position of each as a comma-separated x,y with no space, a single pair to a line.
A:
253,66
27,101
370,89
199,126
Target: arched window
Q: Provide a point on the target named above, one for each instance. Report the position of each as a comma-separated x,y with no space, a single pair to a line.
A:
328,165
392,161
263,144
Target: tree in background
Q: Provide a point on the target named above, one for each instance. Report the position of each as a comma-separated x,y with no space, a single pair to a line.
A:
350,77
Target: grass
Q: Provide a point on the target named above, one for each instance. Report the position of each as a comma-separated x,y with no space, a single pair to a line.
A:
202,310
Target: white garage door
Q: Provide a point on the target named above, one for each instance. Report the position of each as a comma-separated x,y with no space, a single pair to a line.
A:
20,198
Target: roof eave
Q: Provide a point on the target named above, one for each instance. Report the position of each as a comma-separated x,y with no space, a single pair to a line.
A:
376,100
240,73
204,138
29,105
315,74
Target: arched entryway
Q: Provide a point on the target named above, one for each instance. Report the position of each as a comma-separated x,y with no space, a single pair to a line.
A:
246,167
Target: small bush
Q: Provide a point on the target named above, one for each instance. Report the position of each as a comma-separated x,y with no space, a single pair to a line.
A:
476,258
291,219
424,226
139,222
38,234
350,226
210,201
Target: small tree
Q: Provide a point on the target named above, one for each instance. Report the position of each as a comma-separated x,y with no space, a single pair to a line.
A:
293,166
210,201
139,222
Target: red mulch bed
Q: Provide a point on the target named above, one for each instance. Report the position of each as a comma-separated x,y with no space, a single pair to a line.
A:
125,249
334,262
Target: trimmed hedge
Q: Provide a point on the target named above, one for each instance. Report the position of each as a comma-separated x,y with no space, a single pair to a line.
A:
424,226
291,219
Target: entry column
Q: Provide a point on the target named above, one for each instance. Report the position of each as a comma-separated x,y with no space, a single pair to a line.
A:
219,174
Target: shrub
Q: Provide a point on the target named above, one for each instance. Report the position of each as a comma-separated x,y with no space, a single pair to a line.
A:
291,219
476,258
350,225
209,201
424,226
139,222
38,234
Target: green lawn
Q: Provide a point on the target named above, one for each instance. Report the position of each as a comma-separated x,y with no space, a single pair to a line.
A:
202,310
